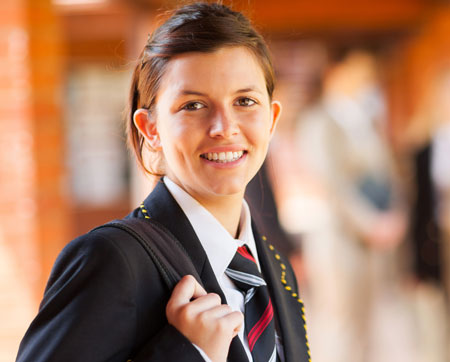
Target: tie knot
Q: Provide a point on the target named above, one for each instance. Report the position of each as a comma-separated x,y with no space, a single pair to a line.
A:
244,271
245,252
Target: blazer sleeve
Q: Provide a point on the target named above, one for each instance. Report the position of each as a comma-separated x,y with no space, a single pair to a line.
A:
91,311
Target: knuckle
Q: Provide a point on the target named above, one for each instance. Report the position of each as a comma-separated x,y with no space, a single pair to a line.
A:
184,313
203,319
188,278
215,298
222,326
227,308
169,307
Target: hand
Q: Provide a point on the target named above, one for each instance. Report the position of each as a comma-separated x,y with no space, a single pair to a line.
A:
206,322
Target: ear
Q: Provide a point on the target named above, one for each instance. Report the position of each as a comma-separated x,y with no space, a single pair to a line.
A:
146,124
275,115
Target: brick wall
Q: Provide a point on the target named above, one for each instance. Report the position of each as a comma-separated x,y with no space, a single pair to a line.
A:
46,62
33,204
17,166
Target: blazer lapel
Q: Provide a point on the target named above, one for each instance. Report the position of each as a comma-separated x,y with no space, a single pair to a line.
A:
163,208
288,310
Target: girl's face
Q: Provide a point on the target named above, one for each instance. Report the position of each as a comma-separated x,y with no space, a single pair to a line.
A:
212,121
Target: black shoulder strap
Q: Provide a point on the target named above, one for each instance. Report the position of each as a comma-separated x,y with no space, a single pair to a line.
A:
167,253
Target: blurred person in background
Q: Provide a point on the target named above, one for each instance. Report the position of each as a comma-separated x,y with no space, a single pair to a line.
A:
353,218
427,145
298,84
260,195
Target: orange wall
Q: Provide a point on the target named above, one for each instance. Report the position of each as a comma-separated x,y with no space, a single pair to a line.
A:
33,200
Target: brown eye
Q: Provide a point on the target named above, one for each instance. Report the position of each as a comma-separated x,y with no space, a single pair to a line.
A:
193,106
245,102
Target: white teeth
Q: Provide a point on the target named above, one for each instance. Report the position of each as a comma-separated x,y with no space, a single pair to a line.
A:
223,157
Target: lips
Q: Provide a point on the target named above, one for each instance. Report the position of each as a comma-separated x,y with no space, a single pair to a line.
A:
223,157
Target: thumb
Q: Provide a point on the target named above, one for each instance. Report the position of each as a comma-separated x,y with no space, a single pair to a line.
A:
186,289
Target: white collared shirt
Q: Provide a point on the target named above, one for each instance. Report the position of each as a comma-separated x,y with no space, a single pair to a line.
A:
219,245
220,248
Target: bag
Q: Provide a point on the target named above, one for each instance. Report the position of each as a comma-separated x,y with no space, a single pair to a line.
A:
166,252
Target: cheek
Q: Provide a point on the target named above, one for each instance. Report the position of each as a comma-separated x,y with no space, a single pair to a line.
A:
169,137
258,128
179,140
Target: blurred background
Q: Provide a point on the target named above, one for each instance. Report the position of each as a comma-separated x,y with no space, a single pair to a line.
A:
359,169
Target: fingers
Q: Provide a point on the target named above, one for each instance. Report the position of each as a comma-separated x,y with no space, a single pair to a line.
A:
235,321
189,300
186,289
225,317
202,319
222,320
210,309
198,289
205,303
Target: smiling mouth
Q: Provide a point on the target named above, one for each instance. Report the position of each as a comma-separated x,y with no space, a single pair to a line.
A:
223,157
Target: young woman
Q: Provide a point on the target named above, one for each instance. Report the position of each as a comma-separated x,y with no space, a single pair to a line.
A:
201,105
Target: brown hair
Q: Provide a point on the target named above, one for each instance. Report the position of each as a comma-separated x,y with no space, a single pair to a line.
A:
198,27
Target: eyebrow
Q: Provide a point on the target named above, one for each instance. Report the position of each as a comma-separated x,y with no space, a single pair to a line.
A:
196,93
188,92
248,89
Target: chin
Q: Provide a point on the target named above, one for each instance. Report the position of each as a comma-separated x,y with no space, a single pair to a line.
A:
228,188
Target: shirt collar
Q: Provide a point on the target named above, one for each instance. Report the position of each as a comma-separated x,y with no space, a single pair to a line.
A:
218,244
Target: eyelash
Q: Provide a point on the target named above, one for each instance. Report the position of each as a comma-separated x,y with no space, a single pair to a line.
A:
247,99
191,106
187,107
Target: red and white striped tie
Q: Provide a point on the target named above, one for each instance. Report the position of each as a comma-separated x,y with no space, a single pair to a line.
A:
259,322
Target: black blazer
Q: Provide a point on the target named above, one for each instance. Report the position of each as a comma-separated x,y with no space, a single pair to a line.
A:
105,299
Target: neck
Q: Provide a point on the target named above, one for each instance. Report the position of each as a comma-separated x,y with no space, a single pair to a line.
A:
227,210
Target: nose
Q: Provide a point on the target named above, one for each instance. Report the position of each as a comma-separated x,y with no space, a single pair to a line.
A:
223,125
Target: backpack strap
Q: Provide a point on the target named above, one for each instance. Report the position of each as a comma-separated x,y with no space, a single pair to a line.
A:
166,252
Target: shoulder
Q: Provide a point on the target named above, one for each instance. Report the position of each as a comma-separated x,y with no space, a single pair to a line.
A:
99,247
105,241
100,279
100,256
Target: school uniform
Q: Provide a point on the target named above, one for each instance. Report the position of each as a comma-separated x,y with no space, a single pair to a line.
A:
105,299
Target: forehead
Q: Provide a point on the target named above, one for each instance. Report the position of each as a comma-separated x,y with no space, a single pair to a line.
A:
226,69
